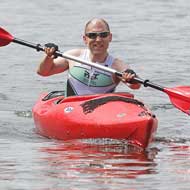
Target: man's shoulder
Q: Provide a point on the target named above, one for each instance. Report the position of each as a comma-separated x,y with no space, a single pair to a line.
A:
117,62
119,65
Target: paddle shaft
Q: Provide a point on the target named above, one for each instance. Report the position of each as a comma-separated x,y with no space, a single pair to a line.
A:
38,47
179,96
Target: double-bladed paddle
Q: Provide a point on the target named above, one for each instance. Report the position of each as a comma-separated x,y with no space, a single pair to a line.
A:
179,96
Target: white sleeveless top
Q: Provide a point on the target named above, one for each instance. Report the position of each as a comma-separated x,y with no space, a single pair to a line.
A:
85,79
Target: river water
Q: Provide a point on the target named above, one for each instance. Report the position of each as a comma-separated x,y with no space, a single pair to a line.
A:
153,36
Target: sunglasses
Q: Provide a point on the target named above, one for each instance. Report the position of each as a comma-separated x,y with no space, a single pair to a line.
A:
94,35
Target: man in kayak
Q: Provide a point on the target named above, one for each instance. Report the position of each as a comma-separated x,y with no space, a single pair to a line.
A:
83,79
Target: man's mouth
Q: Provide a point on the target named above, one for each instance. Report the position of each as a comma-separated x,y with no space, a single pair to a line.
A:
98,46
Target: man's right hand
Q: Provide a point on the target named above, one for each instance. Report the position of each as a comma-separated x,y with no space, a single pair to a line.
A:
50,49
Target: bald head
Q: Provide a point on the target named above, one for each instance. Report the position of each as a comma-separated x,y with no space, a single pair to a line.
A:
96,21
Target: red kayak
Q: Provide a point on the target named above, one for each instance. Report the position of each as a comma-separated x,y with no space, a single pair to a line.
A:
113,115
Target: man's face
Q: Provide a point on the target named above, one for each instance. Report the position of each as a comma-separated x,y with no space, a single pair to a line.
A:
97,38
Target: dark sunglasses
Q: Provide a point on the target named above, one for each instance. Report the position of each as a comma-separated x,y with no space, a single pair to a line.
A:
94,35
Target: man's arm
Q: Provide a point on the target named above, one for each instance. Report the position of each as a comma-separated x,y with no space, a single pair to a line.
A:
50,66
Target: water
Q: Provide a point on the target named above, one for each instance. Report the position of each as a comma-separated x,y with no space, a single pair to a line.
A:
153,37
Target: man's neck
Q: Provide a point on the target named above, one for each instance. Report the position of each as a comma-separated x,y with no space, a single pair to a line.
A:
98,58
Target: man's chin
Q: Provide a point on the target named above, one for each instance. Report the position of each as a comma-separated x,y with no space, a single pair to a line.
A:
98,51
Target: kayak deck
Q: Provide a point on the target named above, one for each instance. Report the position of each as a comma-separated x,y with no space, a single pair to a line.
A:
113,115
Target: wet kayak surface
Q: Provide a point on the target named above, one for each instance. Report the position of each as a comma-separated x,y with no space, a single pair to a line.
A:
153,37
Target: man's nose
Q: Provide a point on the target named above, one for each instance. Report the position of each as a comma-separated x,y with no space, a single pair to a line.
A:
98,38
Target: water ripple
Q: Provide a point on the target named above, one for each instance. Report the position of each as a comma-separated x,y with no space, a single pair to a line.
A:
155,107
27,114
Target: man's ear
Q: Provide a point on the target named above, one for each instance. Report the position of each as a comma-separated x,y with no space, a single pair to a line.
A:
110,37
84,39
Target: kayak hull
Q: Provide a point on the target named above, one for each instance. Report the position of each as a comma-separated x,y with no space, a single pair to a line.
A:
113,115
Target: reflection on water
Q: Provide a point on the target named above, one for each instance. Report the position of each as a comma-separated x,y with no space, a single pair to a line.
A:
98,162
180,157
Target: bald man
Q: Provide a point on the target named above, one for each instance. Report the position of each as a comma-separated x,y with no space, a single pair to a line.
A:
83,79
